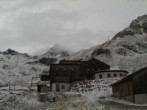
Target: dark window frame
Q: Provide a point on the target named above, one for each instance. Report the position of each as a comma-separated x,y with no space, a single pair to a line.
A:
115,75
62,86
100,76
108,75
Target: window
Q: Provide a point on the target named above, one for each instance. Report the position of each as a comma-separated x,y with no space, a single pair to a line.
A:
62,78
94,77
98,69
76,77
87,69
62,86
108,75
120,74
65,78
58,78
115,75
100,76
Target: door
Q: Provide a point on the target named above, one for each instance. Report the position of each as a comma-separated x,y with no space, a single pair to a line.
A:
58,88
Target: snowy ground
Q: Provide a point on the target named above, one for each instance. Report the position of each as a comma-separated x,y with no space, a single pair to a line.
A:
17,101
91,98
71,101
95,96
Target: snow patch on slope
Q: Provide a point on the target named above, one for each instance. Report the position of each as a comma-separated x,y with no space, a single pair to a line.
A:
17,68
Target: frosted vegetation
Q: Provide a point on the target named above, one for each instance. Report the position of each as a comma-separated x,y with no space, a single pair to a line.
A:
17,68
127,50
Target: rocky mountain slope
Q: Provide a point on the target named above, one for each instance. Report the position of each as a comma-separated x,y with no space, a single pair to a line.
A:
18,67
54,54
57,51
127,49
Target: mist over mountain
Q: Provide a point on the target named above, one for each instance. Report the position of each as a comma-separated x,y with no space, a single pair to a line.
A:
21,67
57,51
126,50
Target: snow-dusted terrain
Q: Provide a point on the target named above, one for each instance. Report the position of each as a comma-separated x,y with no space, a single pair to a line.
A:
66,101
17,67
57,51
21,68
127,50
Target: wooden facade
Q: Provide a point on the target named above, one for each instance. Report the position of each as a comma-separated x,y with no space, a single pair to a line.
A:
42,89
133,87
65,73
123,89
69,71
69,62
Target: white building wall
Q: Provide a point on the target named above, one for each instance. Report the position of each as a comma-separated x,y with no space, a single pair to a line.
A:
104,74
67,87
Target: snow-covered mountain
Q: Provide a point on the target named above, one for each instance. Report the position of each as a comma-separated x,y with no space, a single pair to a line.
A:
57,51
18,67
127,49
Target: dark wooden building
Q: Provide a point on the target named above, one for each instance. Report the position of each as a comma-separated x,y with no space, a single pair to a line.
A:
43,84
63,74
132,88
71,62
41,88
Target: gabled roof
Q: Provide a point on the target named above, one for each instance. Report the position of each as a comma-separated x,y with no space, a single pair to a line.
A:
71,62
82,62
129,76
94,59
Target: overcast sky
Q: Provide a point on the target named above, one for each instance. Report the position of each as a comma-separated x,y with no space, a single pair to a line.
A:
34,25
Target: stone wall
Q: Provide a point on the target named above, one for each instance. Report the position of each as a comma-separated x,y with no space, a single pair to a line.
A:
100,86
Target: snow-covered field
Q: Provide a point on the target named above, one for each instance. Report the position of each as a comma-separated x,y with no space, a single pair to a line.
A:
17,101
73,101
96,95
127,50
17,68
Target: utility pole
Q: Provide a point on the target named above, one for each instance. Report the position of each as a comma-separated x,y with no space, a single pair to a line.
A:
108,38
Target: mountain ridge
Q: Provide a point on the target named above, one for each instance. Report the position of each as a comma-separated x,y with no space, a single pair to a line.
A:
127,50
124,50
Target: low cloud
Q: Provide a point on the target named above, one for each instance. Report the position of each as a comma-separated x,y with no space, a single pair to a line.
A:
33,25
